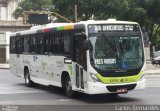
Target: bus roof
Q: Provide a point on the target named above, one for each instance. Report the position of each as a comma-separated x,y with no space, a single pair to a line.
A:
67,26
109,21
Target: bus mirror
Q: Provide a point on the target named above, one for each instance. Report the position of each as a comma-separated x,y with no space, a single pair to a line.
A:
88,45
81,35
67,61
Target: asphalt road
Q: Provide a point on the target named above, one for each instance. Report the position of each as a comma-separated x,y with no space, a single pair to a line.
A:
15,95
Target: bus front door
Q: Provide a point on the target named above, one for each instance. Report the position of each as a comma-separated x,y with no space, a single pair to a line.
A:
79,58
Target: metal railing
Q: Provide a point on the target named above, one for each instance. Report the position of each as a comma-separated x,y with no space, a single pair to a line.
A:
11,23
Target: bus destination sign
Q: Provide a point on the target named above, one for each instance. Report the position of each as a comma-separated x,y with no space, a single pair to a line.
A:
111,27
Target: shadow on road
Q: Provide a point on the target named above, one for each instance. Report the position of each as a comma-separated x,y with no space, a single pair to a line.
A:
95,99
89,99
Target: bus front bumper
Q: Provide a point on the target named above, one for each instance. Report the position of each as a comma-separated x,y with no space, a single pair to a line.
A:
100,88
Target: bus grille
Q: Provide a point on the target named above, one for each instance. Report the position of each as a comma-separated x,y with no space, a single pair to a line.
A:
114,88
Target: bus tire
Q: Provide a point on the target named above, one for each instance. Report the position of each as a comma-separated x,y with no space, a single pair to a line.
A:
68,87
28,81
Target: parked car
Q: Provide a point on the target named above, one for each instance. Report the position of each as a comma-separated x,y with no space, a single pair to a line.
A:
156,57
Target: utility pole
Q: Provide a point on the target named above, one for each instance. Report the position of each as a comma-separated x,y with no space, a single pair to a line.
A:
75,12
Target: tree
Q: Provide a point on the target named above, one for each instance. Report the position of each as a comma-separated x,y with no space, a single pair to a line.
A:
145,12
64,8
88,9
28,5
153,14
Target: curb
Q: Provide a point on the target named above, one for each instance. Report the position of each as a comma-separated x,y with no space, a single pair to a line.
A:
4,66
152,72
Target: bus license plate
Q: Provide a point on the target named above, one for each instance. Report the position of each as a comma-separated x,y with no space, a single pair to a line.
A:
122,90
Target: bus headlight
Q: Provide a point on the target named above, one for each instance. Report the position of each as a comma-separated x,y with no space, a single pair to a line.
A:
94,78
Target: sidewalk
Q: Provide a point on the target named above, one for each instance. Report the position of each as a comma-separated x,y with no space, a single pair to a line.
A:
152,72
152,69
149,71
4,66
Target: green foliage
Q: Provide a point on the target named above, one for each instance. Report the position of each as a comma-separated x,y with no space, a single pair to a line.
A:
64,8
145,12
137,14
28,5
156,37
153,9
88,9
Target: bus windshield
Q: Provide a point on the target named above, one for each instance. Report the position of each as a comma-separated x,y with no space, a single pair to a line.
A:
116,51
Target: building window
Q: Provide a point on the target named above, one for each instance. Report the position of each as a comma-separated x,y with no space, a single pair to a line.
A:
2,39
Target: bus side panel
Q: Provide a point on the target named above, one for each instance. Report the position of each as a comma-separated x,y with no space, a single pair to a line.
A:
52,69
20,68
13,64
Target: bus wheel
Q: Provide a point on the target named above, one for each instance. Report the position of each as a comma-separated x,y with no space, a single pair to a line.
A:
28,81
68,87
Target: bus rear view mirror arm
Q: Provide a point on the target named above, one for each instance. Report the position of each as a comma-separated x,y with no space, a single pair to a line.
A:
80,35
88,45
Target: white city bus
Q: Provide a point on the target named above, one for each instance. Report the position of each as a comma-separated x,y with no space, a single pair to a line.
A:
93,57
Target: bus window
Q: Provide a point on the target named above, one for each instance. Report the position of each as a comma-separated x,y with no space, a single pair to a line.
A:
21,46
12,45
61,43
32,44
18,45
26,44
56,43
39,44
67,45
45,43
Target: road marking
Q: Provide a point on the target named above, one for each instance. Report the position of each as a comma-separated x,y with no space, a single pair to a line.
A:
64,100
15,89
6,102
153,81
19,92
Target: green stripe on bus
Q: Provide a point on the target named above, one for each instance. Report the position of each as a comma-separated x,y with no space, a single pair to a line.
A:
60,28
117,80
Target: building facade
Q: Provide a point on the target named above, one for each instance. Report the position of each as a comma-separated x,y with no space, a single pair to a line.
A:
8,25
